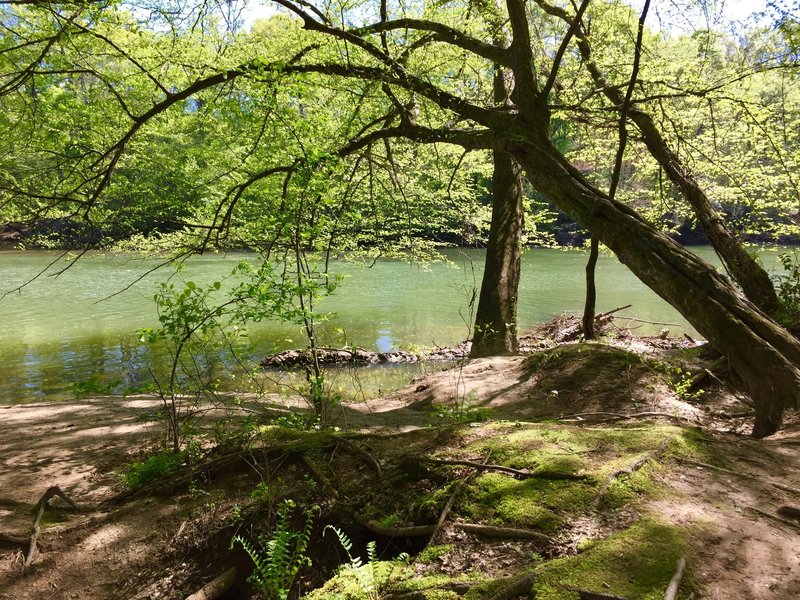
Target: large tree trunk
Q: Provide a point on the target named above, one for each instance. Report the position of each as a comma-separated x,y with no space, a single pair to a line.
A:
762,353
496,317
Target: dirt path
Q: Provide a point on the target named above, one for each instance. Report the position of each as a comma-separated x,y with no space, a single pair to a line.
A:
737,552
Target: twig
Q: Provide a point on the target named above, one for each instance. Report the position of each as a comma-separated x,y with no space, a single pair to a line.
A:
633,467
675,583
780,486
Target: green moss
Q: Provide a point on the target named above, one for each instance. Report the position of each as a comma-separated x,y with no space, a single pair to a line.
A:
637,563
499,499
367,582
432,553
629,488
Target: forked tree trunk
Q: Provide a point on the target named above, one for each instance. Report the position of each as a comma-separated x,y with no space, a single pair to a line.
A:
496,316
762,353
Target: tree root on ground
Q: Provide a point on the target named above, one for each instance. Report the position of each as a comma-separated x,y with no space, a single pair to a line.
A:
217,587
31,541
505,533
550,475
516,587
775,484
632,468
675,583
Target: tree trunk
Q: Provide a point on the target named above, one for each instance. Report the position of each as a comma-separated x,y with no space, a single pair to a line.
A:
761,352
753,279
496,317
591,290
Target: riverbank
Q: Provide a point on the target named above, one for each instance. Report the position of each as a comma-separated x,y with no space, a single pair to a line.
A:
603,458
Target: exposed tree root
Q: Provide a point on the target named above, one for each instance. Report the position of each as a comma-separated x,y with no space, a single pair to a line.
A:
774,518
553,475
217,587
789,512
516,587
320,475
632,468
590,595
775,484
41,506
459,587
675,583
368,458
505,533
397,532
611,417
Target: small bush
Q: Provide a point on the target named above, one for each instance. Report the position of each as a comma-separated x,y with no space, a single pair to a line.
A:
158,466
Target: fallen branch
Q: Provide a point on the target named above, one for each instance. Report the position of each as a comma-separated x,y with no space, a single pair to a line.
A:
780,486
632,468
505,533
459,587
675,583
217,587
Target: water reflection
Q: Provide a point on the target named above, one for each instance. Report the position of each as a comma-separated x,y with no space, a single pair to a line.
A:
57,336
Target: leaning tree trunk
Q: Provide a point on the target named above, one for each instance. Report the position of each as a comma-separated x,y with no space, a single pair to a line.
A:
763,354
496,317
591,290
753,279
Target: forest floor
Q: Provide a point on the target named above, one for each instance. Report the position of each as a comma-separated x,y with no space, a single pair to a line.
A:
522,460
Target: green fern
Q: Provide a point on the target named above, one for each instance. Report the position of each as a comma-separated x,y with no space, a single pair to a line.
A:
375,576
277,560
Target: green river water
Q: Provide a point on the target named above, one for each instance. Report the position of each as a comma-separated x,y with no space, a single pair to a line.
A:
61,331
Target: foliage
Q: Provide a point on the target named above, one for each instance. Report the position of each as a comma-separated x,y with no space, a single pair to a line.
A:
788,287
278,560
372,577
152,469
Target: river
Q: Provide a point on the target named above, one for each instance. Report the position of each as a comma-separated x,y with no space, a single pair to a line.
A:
61,333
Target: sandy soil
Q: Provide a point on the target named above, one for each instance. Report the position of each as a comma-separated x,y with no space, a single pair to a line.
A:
113,551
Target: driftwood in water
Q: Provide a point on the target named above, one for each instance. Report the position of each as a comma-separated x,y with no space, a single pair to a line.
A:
361,357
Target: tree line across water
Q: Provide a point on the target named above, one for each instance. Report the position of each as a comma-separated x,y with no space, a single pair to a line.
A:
376,128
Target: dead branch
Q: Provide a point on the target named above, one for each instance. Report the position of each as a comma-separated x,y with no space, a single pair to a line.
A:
632,468
505,533
15,540
675,583
780,486
459,587
216,587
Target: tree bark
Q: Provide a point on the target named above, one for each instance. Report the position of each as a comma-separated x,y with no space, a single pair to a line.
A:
763,354
742,267
496,316
591,290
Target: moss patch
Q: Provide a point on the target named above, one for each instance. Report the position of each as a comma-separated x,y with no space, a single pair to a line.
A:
637,563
